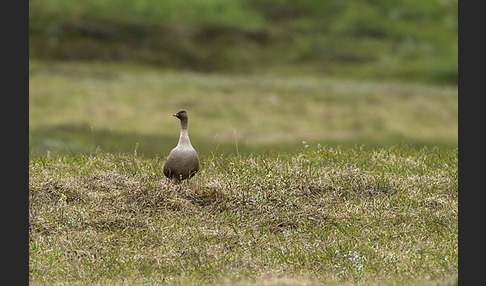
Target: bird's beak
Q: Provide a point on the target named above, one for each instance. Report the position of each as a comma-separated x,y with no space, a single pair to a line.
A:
176,114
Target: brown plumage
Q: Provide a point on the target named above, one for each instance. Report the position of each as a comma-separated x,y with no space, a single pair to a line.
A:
183,161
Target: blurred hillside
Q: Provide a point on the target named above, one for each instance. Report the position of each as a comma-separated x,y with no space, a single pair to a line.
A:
402,40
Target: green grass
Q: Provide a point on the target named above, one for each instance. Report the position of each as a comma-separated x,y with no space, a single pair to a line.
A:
79,107
408,40
318,215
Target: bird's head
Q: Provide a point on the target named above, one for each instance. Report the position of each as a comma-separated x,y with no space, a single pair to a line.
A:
181,114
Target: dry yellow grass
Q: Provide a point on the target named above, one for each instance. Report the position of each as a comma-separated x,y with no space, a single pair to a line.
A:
327,215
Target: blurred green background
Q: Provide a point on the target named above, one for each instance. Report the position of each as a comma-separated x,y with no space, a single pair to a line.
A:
254,75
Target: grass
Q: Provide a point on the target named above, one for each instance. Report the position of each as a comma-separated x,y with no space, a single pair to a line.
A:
408,40
327,133
79,107
357,215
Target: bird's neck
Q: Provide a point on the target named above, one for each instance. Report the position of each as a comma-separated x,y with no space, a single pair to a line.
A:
184,136
184,123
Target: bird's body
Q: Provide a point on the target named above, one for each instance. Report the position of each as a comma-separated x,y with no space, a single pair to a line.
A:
183,161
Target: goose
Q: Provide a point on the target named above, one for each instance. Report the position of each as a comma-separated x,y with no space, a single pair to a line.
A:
183,161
